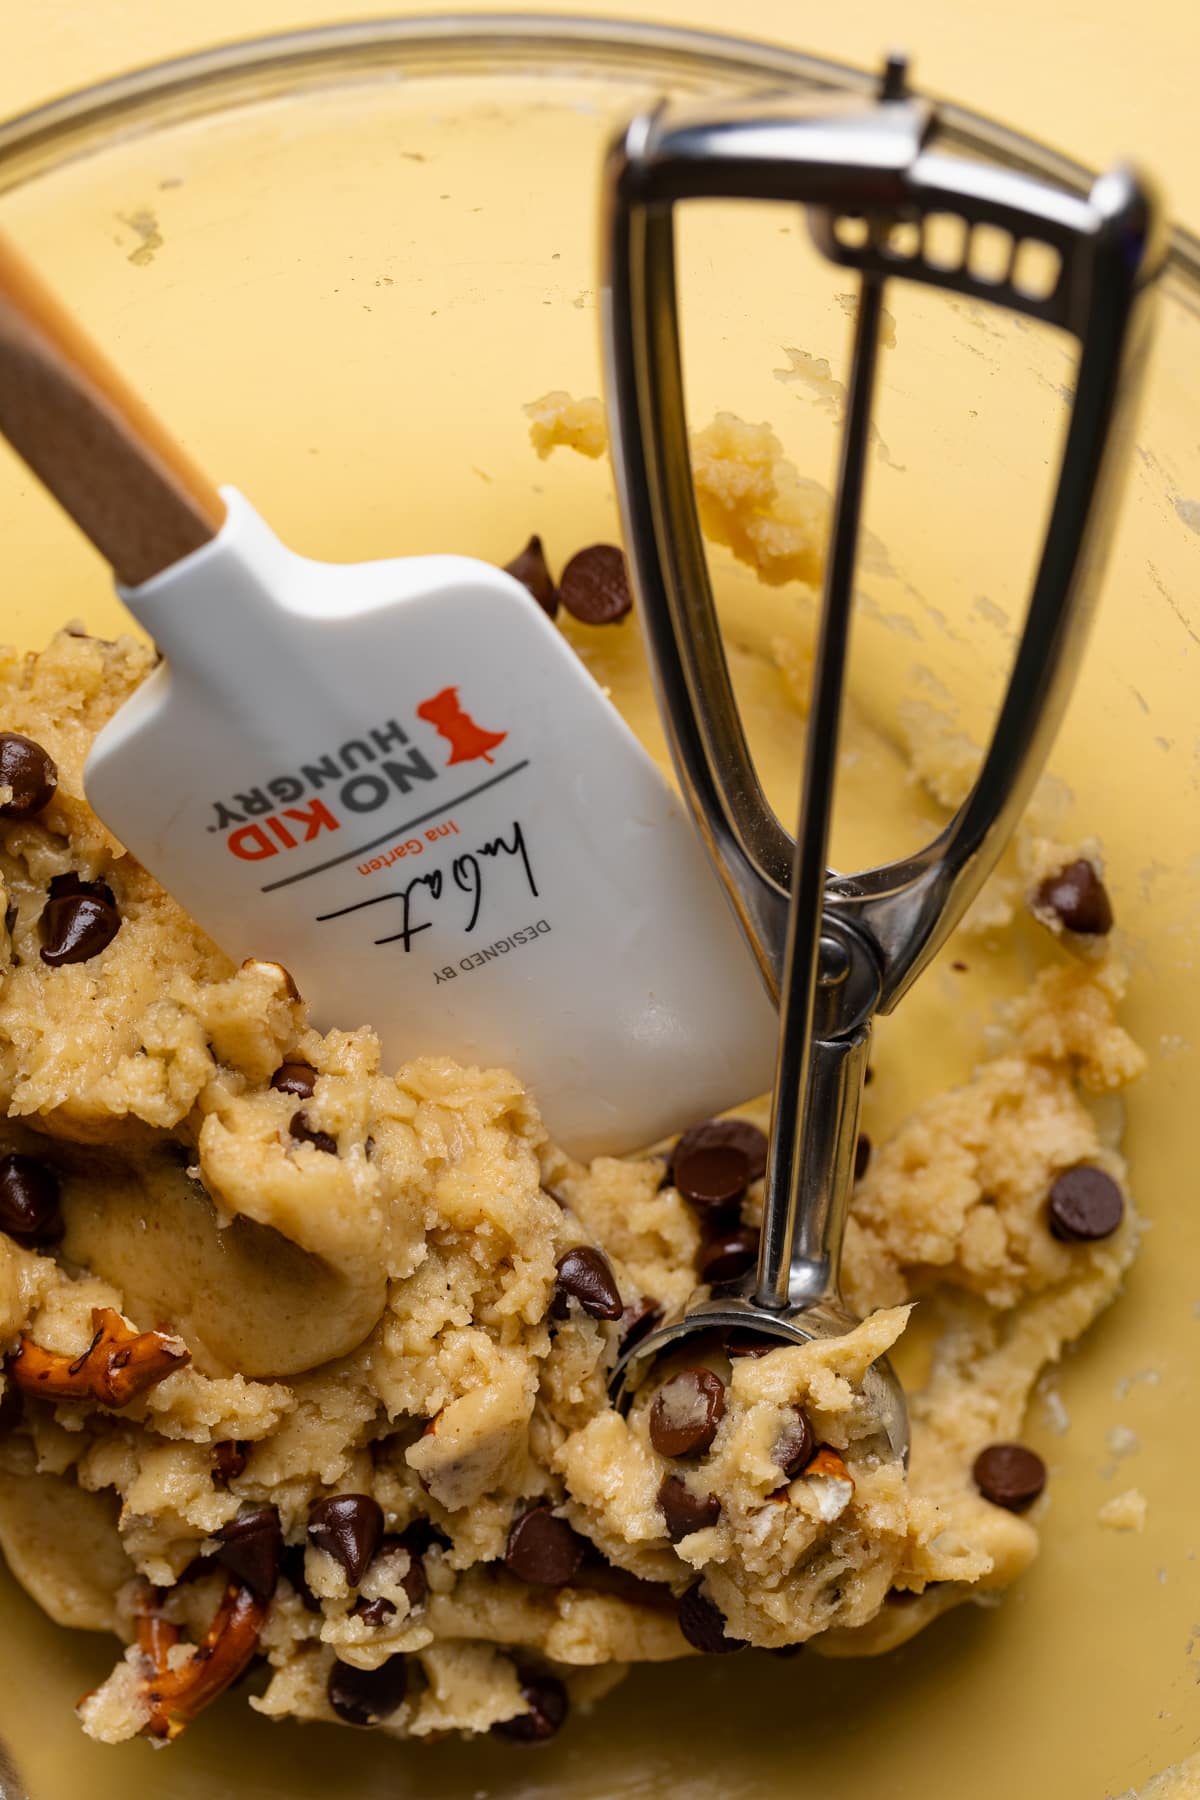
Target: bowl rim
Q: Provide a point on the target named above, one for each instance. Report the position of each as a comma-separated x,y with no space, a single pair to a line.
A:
37,131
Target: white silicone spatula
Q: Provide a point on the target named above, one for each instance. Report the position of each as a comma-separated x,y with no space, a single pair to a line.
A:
395,778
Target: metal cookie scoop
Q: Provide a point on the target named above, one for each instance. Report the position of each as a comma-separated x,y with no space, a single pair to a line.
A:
835,949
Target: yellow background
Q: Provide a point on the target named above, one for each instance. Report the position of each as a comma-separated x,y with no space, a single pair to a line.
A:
1090,1667
1095,78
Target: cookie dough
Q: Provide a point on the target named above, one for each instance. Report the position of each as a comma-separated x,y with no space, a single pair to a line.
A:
276,1275
1182,1782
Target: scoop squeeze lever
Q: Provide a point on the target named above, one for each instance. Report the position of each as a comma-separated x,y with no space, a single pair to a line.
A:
839,947
394,778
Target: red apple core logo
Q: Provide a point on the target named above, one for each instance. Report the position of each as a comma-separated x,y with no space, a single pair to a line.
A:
467,740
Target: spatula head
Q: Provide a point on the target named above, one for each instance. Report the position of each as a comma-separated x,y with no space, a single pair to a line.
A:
398,780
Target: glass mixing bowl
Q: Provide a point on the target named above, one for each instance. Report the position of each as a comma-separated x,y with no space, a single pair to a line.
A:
339,264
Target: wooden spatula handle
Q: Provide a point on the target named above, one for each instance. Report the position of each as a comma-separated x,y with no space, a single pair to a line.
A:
91,440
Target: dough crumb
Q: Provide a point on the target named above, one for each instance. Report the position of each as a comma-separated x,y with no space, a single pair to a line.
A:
1124,1512
1054,1407
751,499
1180,1782
557,421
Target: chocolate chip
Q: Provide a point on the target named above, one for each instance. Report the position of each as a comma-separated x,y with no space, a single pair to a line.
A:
686,1412
862,1155
546,1698
12,1408
684,1511
29,771
199,1565
421,1535
1079,899
638,1321
543,1549
229,1459
595,585
703,1625
251,1546
416,1539
794,1449
1009,1475
299,1078
1085,1204
350,1528
743,1342
78,921
373,1612
712,1177
301,1132
585,1274
288,979
603,1578
415,1583
531,569
292,1565
729,1255
273,972
368,1696
29,1208
64,886
728,1134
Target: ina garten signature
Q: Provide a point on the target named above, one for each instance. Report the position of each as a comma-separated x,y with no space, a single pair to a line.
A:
466,876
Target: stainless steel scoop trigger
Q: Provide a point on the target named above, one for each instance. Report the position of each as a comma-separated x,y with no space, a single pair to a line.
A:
833,948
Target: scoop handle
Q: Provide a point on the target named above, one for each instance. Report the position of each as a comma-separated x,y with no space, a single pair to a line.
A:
90,439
